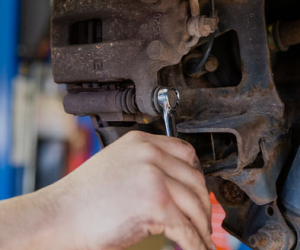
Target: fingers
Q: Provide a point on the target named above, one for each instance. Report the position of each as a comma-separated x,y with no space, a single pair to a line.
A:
177,228
180,171
177,148
173,146
178,161
191,206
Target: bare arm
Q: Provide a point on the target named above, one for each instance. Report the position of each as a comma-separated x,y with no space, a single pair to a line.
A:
139,186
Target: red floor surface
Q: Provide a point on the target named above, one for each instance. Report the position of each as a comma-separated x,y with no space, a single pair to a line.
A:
219,236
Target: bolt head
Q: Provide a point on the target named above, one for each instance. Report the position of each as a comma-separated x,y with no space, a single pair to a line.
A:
212,64
168,98
207,25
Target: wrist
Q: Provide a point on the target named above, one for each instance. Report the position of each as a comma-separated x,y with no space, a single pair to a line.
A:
33,221
52,207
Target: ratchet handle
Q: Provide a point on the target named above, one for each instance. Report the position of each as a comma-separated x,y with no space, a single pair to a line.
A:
168,99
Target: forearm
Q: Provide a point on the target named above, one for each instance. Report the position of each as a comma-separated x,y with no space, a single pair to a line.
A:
32,222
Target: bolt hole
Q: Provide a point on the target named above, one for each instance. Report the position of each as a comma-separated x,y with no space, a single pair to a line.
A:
270,211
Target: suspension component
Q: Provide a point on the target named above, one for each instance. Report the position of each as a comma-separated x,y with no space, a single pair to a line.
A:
282,35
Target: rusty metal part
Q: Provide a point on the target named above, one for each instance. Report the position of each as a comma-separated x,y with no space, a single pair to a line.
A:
90,103
294,222
202,26
248,143
289,33
274,38
247,219
273,148
240,130
270,237
212,64
232,194
205,27
251,113
259,240
282,35
126,47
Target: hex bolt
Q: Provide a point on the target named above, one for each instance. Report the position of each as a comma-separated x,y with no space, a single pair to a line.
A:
207,25
212,64
202,26
191,61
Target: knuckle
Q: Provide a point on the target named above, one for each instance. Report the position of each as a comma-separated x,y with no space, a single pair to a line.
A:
189,148
136,135
190,152
151,151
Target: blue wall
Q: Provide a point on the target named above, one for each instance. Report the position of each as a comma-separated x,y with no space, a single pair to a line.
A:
9,19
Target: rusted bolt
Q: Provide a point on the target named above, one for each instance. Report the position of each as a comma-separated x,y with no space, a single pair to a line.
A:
207,26
193,59
202,26
212,64
271,236
156,50
259,240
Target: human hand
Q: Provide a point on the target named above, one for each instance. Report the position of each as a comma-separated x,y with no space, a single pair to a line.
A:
140,185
